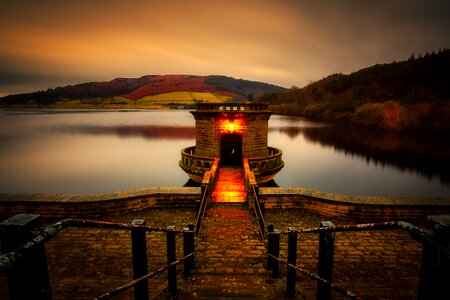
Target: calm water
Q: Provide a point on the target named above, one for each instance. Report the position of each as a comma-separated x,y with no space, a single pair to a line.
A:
73,151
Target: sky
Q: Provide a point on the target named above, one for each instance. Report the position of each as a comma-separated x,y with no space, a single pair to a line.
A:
50,43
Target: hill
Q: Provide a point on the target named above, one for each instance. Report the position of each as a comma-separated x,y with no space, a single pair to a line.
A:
145,90
412,94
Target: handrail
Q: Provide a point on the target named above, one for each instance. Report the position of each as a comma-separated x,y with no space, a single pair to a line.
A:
119,290
251,184
209,180
201,212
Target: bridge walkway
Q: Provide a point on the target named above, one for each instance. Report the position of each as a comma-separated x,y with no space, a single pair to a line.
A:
230,259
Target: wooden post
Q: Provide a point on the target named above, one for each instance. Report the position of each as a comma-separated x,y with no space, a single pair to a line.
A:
139,253
188,248
171,257
292,260
325,264
270,229
28,277
276,253
192,242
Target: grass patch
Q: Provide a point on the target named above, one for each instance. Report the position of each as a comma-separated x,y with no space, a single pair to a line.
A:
183,98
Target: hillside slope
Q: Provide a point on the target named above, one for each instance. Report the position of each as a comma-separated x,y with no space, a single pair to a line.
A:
412,94
149,85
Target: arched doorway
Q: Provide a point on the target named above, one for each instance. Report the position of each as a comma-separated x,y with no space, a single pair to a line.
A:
231,150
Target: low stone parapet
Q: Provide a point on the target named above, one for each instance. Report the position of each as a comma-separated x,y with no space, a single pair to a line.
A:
363,208
95,205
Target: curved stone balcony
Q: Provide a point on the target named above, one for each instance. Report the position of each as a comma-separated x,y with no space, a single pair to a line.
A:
264,167
195,166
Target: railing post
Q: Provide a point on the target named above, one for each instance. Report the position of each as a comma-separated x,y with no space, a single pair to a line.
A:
192,259
434,275
262,205
171,257
139,253
28,277
325,263
197,207
188,248
292,260
276,253
270,229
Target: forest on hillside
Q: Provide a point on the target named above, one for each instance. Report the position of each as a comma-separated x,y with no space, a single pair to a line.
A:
412,94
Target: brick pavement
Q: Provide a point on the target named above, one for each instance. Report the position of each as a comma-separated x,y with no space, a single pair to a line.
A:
84,263
372,264
230,257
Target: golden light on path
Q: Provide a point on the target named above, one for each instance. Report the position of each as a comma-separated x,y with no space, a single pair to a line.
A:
229,186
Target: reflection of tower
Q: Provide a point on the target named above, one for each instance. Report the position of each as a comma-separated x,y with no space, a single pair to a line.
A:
232,132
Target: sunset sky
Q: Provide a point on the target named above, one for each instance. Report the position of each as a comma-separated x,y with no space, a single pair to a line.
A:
54,43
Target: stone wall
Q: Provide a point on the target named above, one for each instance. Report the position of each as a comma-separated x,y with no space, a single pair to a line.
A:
89,206
206,137
255,138
362,208
253,128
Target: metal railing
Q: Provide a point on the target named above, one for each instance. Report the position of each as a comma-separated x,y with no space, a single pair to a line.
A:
434,275
25,261
209,180
253,197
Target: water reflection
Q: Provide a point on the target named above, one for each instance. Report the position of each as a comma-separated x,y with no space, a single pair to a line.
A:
149,132
106,151
427,154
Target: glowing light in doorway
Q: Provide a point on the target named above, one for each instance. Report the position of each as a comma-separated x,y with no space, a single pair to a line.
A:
231,126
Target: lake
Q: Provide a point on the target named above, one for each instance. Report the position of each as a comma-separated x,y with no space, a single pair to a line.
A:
104,151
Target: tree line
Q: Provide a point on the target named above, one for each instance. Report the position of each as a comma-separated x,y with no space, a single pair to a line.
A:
411,94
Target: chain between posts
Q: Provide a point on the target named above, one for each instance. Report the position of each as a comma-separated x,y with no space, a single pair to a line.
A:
435,254
10,260
336,287
132,283
418,234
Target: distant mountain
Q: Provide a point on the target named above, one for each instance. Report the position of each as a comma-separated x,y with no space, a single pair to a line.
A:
149,85
411,94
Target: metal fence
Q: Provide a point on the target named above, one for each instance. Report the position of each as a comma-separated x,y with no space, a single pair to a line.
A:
434,274
25,261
